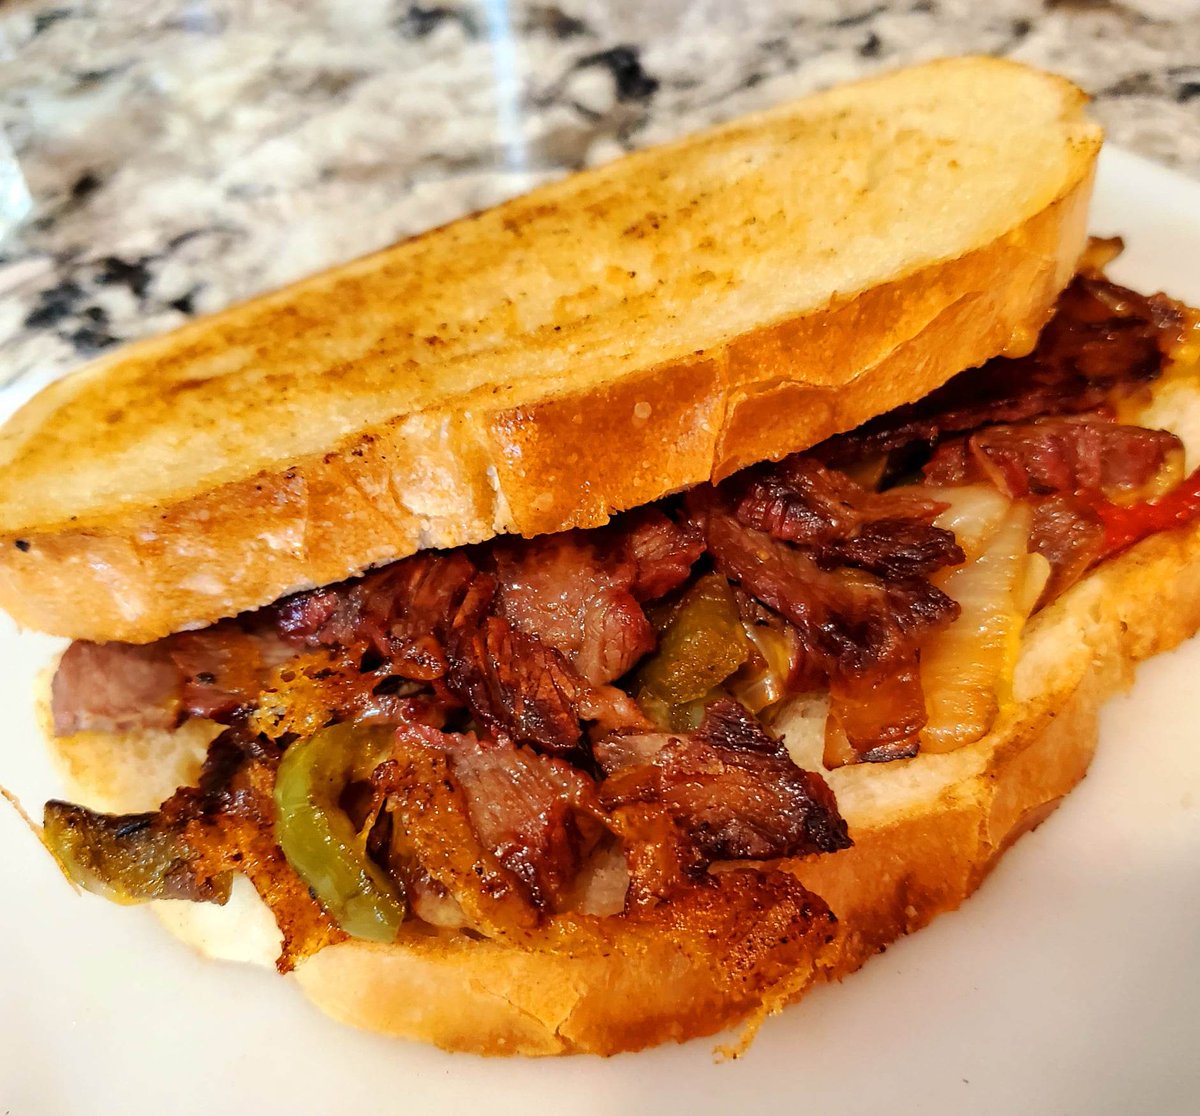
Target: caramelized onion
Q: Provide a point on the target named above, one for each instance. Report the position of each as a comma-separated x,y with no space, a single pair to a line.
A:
1033,584
879,715
837,751
973,513
763,679
966,667
801,722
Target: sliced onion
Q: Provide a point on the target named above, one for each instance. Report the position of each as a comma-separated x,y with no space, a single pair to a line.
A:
1099,252
763,680
801,723
602,883
967,666
433,904
974,514
875,717
838,749
1033,585
867,472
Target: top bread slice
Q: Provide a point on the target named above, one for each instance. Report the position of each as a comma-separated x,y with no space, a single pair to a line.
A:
613,337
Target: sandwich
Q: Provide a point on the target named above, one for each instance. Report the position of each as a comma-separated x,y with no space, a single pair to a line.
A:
597,621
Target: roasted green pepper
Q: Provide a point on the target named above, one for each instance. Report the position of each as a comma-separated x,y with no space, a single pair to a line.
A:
319,839
128,858
702,645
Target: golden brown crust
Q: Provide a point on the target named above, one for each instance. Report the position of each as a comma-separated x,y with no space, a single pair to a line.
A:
927,831
504,374
596,985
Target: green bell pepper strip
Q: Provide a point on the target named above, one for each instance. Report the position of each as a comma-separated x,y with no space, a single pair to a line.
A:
701,646
319,839
127,858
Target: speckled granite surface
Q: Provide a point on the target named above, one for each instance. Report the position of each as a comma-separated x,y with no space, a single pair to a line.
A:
180,154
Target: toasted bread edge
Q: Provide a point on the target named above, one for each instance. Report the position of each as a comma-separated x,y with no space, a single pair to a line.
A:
438,479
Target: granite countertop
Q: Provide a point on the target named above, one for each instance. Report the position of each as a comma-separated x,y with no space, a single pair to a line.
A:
171,156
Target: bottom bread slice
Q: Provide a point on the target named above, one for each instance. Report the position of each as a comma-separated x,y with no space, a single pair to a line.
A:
926,833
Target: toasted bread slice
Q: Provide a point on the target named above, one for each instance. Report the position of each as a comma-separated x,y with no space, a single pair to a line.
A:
926,832
735,296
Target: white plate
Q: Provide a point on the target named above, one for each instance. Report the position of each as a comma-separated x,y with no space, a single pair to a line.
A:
1070,984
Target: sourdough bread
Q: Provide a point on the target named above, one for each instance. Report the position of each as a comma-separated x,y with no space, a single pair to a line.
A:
735,296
